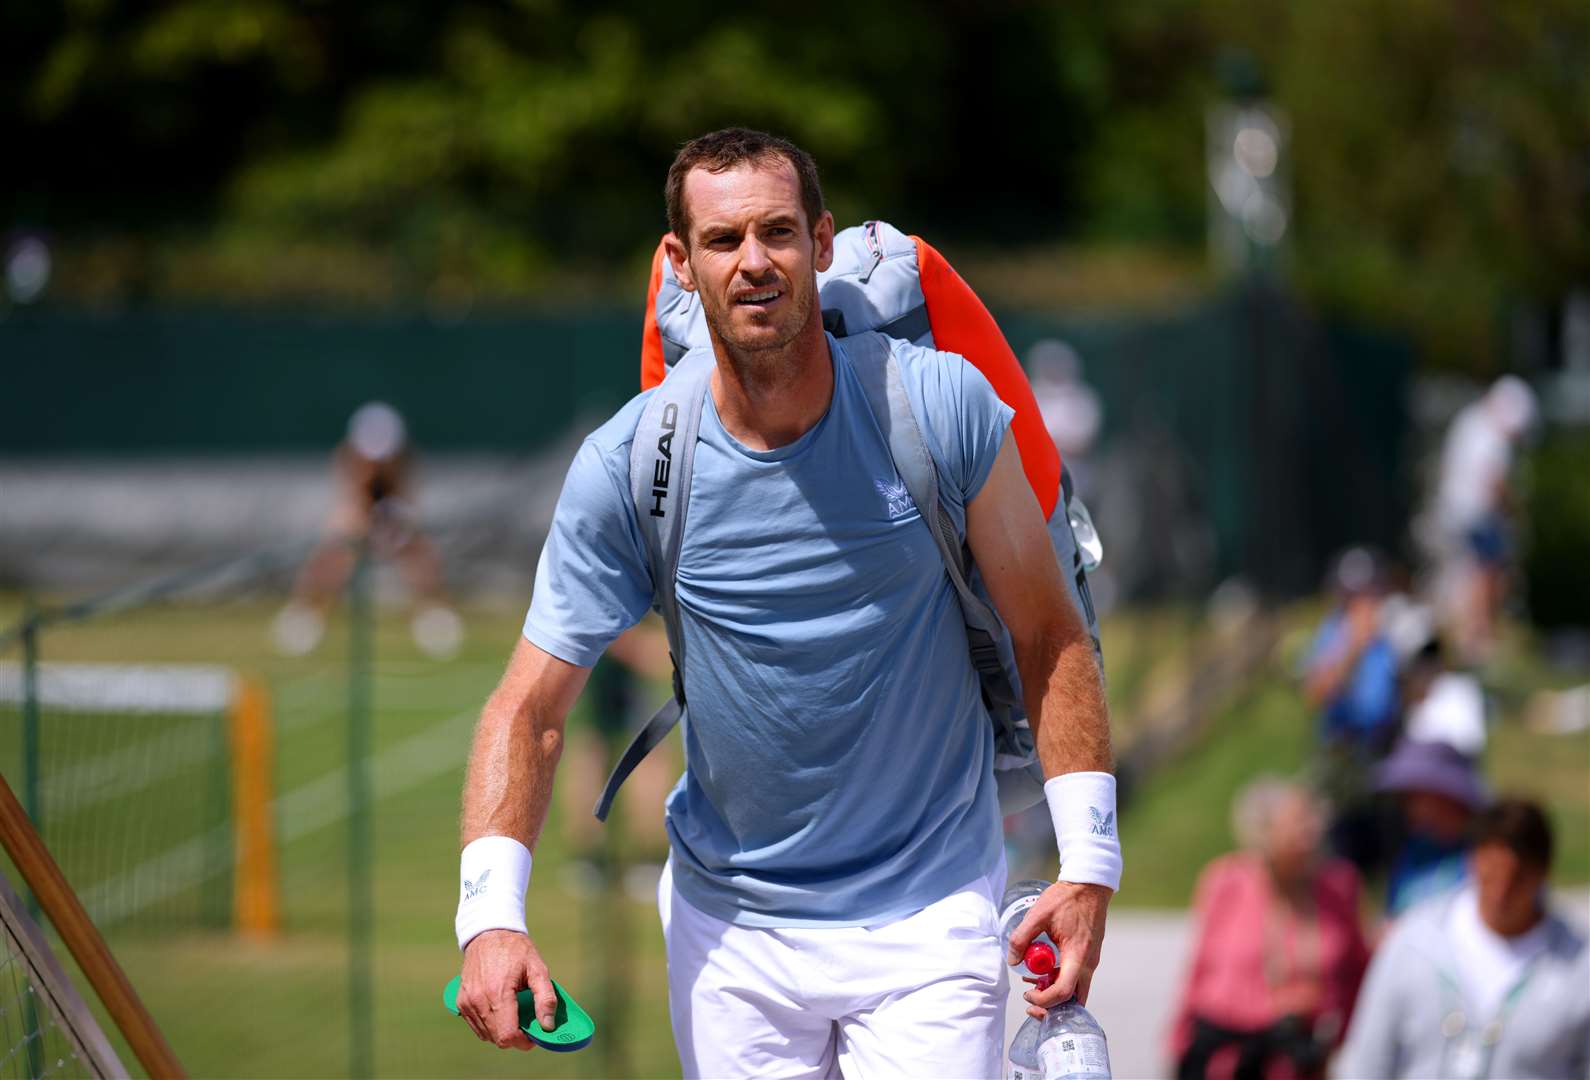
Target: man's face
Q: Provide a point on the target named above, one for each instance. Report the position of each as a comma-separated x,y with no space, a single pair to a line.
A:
1437,816
1508,888
753,258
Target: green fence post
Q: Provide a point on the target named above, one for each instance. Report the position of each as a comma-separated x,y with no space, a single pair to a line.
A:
360,655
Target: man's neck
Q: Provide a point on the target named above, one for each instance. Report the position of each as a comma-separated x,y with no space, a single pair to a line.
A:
769,399
1512,923
1516,926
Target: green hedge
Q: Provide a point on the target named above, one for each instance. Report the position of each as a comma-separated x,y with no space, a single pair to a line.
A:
1558,545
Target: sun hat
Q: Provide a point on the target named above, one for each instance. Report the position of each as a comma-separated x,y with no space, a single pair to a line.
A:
1434,767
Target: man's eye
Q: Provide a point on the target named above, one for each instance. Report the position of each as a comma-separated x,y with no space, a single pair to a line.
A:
781,230
721,239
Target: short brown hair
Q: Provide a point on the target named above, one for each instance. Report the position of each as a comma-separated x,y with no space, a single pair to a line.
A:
1519,825
720,150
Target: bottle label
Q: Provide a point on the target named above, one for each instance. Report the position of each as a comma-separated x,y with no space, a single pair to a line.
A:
1018,907
1064,1057
1019,1073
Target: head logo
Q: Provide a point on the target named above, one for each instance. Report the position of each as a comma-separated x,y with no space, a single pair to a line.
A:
665,455
895,496
475,888
1103,824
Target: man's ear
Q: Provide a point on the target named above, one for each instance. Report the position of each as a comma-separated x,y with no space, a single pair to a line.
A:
679,259
823,241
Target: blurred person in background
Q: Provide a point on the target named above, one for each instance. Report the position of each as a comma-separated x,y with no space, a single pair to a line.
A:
1438,791
1474,507
637,658
1350,679
1485,981
373,468
1441,704
1278,949
1070,407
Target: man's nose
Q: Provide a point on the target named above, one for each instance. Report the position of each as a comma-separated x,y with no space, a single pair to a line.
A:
753,257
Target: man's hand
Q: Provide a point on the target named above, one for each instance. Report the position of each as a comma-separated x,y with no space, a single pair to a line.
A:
1073,916
497,965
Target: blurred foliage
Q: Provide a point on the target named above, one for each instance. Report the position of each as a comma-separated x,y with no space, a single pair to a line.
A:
499,149
1559,531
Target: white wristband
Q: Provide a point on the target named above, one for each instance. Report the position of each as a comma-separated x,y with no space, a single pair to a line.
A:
494,872
1082,805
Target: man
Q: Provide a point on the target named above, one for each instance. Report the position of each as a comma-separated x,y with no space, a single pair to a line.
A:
1350,679
828,906
1473,506
1482,982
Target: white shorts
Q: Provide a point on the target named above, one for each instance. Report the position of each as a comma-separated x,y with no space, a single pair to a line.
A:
923,996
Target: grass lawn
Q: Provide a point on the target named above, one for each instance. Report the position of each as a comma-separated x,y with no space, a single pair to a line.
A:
235,1007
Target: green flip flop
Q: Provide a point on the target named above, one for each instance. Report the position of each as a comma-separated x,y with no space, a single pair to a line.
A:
573,1030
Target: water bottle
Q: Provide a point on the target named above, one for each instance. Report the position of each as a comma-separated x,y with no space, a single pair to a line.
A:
1024,1052
1041,958
1071,1045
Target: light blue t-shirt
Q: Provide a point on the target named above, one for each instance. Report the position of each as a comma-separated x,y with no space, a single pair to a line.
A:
838,757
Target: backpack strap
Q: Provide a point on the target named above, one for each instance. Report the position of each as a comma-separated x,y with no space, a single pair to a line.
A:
873,360
662,459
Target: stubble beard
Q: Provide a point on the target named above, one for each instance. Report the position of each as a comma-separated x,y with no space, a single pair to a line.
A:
768,363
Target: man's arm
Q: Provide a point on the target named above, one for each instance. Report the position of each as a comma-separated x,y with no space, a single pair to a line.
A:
1330,668
1063,690
1054,652
507,792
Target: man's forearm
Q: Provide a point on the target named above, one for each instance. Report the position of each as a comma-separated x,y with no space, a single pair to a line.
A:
1323,683
511,765
1065,699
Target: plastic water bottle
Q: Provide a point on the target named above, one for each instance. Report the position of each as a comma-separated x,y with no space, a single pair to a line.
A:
1024,1052
1041,958
1071,1045
1068,1044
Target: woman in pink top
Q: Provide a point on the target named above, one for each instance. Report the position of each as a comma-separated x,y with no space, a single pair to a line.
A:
1279,951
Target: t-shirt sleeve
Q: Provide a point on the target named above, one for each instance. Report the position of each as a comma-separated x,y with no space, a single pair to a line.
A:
964,421
592,582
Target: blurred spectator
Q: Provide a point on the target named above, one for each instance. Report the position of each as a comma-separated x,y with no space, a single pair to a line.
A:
1482,982
1439,791
373,467
1351,672
614,702
1072,415
1473,507
1070,408
1351,678
1440,704
1278,952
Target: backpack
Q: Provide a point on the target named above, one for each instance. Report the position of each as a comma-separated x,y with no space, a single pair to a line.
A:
882,285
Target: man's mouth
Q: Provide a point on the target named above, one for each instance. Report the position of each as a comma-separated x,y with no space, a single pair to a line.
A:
765,296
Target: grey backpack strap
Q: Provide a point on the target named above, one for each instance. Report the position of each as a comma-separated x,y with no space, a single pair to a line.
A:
661,461
873,360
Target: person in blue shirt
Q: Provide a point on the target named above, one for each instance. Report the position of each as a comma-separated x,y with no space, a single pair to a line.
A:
1438,791
1351,673
1351,678
829,902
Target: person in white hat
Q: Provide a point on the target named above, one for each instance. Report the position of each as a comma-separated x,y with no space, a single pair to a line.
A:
374,472
1473,509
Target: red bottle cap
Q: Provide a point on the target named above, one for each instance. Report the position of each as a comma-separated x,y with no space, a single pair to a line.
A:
1039,958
